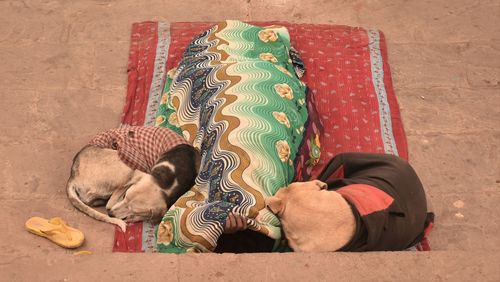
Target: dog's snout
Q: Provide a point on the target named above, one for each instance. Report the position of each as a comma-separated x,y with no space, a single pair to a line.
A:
110,212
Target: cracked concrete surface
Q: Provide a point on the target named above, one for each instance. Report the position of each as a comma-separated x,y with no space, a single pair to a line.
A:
63,78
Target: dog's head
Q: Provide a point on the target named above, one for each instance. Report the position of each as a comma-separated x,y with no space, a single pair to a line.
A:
141,199
277,203
313,218
148,196
176,170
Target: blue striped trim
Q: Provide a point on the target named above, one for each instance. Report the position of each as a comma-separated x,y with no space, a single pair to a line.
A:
149,237
377,69
159,74
155,93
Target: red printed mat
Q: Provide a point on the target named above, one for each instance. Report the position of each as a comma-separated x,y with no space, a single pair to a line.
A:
347,73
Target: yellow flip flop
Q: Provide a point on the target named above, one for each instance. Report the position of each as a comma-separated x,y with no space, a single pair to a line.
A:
56,231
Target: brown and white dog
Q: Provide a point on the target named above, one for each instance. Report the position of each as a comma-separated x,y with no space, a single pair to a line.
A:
303,208
98,175
361,202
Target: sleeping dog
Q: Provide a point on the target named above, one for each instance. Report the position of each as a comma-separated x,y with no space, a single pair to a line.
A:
378,204
113,168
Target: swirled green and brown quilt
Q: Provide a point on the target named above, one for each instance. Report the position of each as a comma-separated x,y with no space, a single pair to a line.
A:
236,97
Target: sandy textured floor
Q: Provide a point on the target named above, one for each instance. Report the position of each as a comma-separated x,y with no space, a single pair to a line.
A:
63,78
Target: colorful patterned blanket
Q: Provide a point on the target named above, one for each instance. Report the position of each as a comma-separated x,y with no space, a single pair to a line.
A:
234,96
349,83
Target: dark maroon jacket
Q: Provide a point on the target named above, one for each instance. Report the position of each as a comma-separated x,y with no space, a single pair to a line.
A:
386,196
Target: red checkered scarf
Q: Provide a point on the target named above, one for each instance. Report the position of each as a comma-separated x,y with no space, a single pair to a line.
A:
139,147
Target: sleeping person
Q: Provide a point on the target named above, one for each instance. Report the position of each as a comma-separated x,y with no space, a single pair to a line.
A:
360,202
237,97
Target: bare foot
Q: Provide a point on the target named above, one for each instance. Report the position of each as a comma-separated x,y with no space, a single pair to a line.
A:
235,223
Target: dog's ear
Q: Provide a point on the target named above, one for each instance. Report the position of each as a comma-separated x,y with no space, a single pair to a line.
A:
164,176
194,154
322,185
197,159
275,204
180,153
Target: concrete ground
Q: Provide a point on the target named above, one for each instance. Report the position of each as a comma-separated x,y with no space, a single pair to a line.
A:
63,78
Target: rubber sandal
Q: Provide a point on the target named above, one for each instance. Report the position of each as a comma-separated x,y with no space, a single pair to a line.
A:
56,231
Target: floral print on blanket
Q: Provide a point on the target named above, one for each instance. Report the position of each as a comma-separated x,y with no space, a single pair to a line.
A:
235,96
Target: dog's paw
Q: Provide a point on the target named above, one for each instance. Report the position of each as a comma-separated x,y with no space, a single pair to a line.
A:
122,224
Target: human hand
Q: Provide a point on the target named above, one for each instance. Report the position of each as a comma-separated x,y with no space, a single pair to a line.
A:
235,223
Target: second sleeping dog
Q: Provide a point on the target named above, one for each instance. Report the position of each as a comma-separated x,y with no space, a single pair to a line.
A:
139,171
360,202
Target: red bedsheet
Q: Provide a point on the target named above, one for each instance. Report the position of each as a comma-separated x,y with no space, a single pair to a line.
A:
350,87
